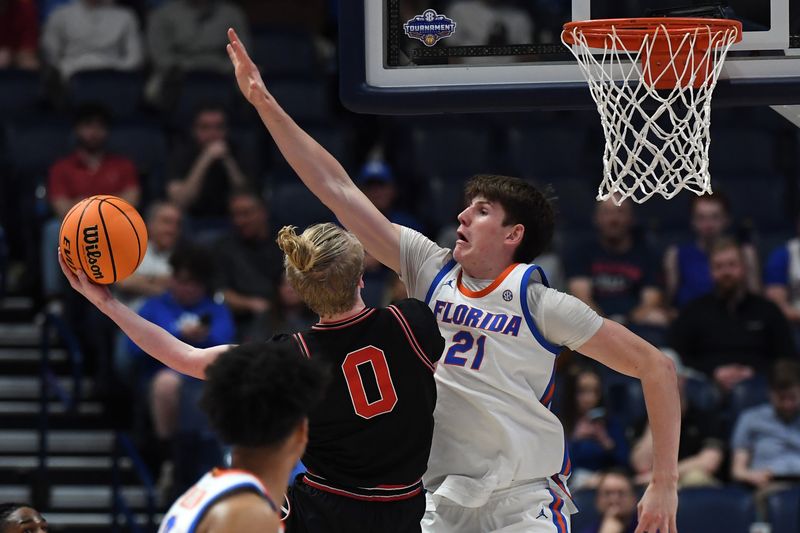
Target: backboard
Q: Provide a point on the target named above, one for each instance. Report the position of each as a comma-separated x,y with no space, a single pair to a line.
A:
436,56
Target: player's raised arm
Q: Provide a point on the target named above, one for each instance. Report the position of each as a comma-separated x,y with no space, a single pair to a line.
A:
152,339
616,347
318,169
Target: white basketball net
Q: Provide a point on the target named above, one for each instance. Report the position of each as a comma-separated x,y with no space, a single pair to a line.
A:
656,140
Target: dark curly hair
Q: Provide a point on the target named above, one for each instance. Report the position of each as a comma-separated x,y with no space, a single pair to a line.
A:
256,394
6,510
524,204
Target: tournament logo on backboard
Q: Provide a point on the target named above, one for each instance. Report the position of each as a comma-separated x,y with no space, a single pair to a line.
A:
429,27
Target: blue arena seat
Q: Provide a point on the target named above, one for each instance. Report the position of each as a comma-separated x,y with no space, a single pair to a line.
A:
770,212
545,152
335,138
119,91
749,393
587,512
293,203
304,100
784,511
20,93
450,152
742,151
281,52
34,145
707,510
146,145
199,88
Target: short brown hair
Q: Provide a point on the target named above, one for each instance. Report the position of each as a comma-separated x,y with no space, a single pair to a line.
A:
324,265
524,204
784,374
719,197
724,244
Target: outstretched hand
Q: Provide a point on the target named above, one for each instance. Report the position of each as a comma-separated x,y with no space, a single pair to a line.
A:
247,75
97,294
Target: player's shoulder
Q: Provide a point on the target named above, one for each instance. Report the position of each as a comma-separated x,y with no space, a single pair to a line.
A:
241,511
415,311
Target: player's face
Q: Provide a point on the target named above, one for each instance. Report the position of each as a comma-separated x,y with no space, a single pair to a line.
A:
709,219
786,403
25,520
727,270
481,235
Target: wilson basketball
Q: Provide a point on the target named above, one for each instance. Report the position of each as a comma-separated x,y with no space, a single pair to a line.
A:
105,237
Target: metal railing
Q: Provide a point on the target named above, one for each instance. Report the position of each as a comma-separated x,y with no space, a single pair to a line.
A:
124,447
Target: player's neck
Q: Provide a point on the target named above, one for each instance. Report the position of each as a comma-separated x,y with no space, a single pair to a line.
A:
338,317
273,470
486,271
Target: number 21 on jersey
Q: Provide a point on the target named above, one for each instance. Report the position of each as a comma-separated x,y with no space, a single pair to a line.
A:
373,360
463,341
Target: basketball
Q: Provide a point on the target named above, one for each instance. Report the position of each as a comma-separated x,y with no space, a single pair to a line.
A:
105,237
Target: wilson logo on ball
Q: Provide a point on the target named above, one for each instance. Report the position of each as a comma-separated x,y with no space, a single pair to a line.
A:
93,253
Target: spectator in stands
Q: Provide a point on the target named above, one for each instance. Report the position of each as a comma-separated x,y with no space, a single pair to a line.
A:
596,439
152,276
686,266
89,170
287,314
616,504
617,274
205,170
731,334
91,35
187,311
782,281
250,262
701,449
766,440
19,34
21,518
190,35
376,181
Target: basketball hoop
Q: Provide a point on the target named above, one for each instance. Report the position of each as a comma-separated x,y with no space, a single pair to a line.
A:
652,81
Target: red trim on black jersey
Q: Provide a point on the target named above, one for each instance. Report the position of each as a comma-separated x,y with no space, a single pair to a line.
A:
381,493
412,340
346,322
301,342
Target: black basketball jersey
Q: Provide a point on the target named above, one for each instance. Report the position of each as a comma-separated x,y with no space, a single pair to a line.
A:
375,424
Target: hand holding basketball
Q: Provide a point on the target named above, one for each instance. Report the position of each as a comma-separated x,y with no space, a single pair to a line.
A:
247,75
104,237
97,294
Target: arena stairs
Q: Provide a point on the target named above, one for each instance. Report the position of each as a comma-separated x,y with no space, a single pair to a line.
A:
74,488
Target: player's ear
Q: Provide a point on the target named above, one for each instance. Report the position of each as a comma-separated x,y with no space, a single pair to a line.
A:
299,438
515,235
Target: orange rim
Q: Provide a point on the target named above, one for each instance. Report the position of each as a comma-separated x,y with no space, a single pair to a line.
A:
632,32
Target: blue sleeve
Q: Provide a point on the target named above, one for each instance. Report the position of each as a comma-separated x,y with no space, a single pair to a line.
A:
776,271
741,438
222,329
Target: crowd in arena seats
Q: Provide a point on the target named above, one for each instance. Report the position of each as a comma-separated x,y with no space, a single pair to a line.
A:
172,136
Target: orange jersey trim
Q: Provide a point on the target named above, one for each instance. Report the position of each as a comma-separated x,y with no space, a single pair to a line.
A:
492,286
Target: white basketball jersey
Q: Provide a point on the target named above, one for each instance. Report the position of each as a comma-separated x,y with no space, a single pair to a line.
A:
495,384
188,510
